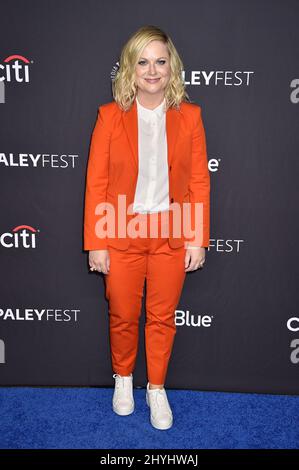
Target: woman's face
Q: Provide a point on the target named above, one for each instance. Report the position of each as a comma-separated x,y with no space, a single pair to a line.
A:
152,72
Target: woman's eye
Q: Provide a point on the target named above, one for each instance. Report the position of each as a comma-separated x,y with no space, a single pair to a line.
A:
142,62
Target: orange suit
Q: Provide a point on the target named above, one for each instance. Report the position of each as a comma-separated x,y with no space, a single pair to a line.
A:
113,170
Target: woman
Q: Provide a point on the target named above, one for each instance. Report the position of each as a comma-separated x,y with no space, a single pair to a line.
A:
147,157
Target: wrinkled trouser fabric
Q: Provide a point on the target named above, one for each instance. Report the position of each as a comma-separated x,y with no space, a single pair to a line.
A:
162,267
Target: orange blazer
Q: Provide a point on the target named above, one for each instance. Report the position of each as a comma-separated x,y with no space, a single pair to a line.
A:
113,168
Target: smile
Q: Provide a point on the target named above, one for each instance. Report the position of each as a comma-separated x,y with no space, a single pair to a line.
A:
152,80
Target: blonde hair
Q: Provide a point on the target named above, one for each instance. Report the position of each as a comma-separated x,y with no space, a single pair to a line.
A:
123,86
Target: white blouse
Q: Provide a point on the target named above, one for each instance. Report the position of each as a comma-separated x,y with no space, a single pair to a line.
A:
152,189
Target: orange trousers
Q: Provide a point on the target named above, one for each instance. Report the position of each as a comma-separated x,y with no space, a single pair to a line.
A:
153,260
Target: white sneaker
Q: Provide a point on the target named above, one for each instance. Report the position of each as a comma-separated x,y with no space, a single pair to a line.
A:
160,412
123,400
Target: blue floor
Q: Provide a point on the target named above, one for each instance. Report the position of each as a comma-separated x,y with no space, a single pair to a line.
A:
68,418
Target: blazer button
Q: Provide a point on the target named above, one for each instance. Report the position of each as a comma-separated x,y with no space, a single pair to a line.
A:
170,168
171,200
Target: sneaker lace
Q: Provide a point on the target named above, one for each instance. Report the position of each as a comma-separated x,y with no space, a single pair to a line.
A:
160,400
120,382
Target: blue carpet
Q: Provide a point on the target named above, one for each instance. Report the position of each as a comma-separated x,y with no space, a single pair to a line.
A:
82,418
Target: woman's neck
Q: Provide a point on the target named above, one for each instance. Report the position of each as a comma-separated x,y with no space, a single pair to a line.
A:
150,102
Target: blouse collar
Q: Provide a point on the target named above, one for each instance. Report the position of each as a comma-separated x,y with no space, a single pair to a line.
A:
147,113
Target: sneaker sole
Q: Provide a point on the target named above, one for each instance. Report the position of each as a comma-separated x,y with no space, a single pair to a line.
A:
153,422
123,412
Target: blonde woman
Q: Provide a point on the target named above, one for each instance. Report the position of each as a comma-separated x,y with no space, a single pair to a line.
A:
147,155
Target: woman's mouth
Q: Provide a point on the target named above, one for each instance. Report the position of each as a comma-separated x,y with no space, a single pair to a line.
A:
152,80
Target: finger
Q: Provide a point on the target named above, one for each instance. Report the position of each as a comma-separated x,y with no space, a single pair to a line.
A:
187,259
97,267
191,267
192,261
103,268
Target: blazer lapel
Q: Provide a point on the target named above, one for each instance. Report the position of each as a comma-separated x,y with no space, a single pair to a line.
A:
130,122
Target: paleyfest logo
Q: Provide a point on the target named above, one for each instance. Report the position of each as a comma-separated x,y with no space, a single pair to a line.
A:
15,68
22,236
208,77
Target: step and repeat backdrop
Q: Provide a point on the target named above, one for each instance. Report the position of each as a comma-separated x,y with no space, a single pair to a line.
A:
238,318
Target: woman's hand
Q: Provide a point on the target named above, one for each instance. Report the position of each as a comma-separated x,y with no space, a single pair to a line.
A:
196,258
99,260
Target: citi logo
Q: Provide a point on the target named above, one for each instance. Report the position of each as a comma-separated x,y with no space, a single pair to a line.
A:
293,324
2,352
15,69
184,318
22,236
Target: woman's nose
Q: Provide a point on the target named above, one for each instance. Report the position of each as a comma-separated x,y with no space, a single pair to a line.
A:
152,69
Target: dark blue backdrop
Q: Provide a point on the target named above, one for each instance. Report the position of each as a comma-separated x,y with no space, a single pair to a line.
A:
238,325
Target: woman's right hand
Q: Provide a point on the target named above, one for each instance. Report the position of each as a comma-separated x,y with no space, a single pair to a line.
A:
99,260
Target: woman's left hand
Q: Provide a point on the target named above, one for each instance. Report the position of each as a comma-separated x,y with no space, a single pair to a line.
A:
194,258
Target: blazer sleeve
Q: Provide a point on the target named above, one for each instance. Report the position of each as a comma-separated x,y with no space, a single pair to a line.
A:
199,185
97,180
